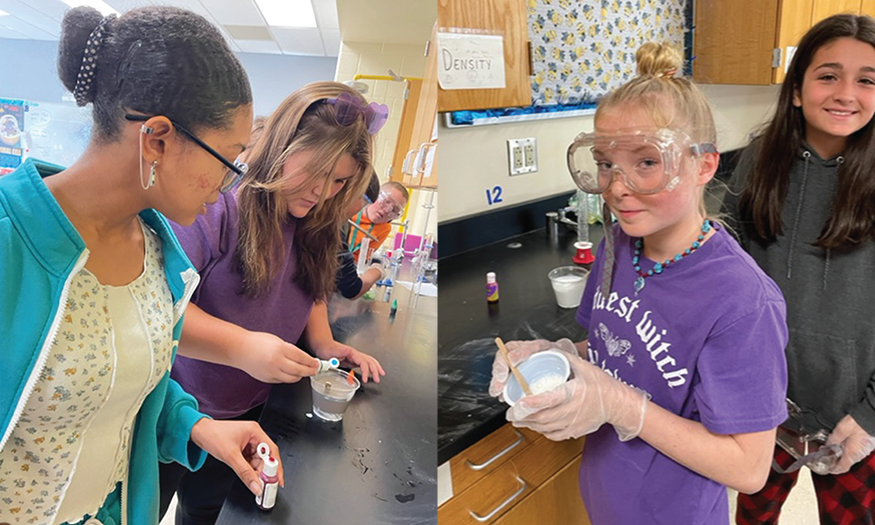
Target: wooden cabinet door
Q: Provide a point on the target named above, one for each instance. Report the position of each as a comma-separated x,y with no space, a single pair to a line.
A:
734,40
508,18
417,123
500,491
825,8
794,19
798,16
867,7
556,501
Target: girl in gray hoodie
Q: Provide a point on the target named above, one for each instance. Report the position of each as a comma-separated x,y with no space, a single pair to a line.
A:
803,203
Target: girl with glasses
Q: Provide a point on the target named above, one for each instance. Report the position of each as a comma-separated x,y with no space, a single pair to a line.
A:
93,284
684,359
266,252
803,195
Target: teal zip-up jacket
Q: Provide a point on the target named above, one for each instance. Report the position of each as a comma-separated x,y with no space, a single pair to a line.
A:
40,251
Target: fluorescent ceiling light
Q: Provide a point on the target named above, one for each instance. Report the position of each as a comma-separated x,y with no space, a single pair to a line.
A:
287,13
104,8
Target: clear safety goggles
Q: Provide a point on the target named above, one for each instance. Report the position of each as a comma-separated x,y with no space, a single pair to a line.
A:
646,162
389,204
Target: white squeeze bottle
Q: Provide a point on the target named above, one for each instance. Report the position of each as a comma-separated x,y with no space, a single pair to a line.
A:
269,479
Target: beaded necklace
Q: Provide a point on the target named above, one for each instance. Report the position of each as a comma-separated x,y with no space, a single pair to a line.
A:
660,266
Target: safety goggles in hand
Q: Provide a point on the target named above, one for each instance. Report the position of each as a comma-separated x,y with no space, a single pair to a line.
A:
348,109
809,449
646,162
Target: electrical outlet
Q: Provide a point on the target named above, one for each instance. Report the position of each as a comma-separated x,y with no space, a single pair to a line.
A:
530,155
521,156
515,157
517,154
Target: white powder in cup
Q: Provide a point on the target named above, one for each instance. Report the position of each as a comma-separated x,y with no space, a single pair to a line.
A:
543,384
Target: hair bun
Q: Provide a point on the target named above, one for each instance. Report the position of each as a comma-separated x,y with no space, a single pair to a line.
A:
658,60
76,27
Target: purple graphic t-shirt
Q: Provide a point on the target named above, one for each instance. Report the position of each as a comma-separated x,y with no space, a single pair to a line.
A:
705,338
223,391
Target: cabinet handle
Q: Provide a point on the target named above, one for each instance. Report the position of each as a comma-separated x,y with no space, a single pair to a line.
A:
419,162
504,503
481,466
405,166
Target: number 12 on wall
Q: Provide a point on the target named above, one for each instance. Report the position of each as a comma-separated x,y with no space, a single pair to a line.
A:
493,196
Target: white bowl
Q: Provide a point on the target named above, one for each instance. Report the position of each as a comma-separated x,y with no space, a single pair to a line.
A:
536,367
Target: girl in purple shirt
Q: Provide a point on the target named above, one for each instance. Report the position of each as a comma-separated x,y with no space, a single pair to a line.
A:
684,357
267,256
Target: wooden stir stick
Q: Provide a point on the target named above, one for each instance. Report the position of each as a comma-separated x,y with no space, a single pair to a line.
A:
516,373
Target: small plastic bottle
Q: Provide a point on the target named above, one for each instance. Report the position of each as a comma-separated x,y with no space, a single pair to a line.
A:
491,288
269,479
387,295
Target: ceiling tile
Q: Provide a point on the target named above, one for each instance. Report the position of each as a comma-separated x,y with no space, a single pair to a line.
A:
11,33
299,40
249,32
123,6
239,12
326,13
52,9
331,42
259,46
19,25
39,19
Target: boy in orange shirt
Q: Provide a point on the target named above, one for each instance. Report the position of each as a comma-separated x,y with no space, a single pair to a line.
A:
375,217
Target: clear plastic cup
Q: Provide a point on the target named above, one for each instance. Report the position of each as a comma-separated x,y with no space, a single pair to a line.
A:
332,393
542,371
568,284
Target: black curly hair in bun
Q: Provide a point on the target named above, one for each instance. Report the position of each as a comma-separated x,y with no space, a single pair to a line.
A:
156,60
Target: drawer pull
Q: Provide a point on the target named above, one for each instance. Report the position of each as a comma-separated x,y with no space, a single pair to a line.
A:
481,466
504,503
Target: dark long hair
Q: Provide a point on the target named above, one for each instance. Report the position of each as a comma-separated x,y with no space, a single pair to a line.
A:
852,220
156,60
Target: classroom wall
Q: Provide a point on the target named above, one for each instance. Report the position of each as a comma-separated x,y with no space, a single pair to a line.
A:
474,160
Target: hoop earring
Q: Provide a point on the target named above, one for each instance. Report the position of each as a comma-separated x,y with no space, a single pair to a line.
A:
144,130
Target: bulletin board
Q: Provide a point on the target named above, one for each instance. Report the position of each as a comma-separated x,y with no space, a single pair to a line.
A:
583,50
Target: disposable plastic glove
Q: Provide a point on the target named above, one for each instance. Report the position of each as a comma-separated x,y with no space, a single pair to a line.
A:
379,264
582,405
856,444
519,351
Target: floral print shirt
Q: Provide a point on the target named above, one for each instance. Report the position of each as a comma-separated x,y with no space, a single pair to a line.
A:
113,346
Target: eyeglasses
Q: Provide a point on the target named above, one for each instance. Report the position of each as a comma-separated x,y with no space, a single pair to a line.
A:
646,162
348,108
388,204
236,169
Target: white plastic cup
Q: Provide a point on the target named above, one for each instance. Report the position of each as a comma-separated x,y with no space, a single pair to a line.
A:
332,393
568,284
542,371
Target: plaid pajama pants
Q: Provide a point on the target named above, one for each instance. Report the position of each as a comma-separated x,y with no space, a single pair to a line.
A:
845,499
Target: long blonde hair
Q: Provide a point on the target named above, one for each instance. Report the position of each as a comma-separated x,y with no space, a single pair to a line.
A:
302,122
671,100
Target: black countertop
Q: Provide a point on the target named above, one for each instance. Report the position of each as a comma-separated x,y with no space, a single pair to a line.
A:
526,310
378,464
